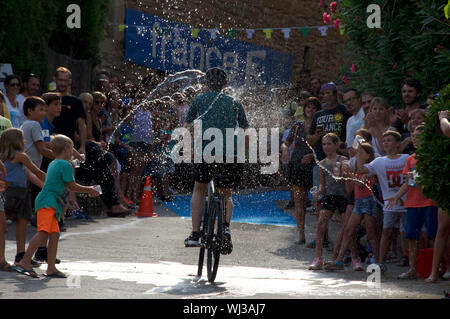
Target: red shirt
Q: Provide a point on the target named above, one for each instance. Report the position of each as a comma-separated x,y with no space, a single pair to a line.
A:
414,196
361,191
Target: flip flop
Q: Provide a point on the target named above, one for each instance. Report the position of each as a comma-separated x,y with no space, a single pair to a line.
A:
4,266
57,274
26,272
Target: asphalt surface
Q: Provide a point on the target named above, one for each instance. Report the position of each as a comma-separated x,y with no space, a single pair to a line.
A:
144,258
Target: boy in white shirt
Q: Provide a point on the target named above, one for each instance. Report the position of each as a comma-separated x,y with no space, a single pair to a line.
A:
389,170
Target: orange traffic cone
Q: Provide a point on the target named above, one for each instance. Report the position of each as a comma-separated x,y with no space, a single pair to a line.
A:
146,205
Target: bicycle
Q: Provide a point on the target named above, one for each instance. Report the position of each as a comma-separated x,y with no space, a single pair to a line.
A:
212,237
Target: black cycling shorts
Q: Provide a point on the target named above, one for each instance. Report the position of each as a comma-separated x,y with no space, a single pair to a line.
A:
226,175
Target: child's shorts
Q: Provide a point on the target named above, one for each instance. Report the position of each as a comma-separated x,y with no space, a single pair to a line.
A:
18,203
394,219
416,217
366,205
335,202
46,220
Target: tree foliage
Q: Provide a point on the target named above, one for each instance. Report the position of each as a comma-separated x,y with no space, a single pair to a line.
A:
34,26
414,40
433,155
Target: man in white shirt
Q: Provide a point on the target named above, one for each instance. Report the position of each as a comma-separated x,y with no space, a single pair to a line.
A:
352,102
31,87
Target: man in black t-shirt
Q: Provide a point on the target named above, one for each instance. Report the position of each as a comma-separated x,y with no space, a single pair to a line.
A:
73,117
411,91
332,119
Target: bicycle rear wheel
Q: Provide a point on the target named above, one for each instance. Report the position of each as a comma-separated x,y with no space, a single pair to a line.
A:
215,241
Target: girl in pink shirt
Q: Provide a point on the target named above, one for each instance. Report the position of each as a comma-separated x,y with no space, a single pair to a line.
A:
365,209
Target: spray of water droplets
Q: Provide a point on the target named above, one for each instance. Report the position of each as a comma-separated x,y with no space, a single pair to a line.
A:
262,106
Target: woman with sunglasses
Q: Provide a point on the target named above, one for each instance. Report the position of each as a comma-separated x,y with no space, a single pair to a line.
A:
12,86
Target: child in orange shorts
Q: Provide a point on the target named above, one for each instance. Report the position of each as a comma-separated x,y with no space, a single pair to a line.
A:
50,203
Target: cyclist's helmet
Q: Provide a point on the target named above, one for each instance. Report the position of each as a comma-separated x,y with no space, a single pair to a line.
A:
216,77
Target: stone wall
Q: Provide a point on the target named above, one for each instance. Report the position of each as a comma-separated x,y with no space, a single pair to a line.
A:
323,57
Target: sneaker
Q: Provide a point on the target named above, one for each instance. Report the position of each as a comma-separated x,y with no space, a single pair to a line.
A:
227,246
446,276
41,256
334,265
408,276
317,264
357,266
192,240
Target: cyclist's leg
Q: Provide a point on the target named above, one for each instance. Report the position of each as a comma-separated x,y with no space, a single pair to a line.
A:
197,204
226,193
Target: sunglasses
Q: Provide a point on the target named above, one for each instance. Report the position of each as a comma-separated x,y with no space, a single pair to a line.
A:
326,93
99,102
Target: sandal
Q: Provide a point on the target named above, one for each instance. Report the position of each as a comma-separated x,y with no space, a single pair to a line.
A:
26,272
431,279
4,266
56,274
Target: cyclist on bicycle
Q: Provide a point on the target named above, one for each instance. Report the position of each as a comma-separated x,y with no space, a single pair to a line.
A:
216,110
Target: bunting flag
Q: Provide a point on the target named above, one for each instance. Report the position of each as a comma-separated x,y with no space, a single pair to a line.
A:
213,33
250,33
232,32
323,30
194,33
268,33
304,32
286,32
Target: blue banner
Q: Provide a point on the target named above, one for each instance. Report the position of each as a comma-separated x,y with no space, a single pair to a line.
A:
173,47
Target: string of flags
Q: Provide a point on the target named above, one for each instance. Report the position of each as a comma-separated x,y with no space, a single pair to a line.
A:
232,32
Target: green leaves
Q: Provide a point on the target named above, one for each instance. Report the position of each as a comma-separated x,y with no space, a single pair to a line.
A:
32,27
404,46
433,155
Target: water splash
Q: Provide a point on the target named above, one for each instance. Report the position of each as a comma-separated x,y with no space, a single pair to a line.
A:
341,178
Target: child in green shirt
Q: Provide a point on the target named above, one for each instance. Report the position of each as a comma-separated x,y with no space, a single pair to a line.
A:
49,205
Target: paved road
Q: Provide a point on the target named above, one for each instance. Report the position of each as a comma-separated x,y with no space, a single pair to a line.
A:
145,258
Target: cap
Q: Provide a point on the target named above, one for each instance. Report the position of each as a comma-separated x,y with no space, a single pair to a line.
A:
329,86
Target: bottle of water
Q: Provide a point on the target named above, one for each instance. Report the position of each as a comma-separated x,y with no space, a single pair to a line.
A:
314,190
76,163
412,180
